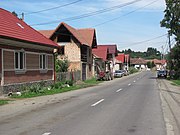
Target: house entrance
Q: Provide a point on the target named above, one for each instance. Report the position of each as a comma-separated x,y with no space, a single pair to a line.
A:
83,71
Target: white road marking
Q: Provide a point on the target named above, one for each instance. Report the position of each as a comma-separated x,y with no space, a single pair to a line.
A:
129,84
119,90
47,133
134,81
98,102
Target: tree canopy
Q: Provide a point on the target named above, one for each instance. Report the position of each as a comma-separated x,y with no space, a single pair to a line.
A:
171,19
151,53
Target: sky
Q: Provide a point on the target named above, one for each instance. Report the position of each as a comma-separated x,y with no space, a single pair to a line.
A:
128,23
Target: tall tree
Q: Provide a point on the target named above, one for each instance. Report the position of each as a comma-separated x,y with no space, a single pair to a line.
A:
171,19
175,57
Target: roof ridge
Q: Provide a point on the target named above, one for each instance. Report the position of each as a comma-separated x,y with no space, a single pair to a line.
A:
27,29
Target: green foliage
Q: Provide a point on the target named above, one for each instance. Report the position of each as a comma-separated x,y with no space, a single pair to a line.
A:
175,59
151,53
58,87
176,82
172,17
61,65
3,102
69,82
132,70
149,64
36,88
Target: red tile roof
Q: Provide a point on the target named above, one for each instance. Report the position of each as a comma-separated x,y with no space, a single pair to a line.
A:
101,51
84,36
46,33
14,28
112,49
138,61
121,57
162,62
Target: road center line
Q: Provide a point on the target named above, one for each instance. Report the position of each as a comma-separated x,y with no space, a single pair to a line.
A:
119,90
48,133
129,84
134,81
98,102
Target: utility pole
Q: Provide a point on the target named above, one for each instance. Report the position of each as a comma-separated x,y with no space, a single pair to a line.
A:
170,61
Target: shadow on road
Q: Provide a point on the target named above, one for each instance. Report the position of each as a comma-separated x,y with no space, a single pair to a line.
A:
153,77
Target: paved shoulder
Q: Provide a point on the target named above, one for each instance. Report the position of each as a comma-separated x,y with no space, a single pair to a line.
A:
170,96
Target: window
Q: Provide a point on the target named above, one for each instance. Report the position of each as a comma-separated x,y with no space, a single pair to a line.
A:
19,60
43,61
61,50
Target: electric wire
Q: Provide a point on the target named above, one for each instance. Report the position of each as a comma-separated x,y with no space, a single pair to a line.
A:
60,6
89,14
123,15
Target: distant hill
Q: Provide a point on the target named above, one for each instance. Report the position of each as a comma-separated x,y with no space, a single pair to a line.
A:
151,53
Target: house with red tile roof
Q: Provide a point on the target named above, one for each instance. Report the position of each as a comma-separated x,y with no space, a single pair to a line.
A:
107,53
138,63
26,56
122,62
160,64
76,46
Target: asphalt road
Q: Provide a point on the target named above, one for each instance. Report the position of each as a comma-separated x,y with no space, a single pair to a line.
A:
125,106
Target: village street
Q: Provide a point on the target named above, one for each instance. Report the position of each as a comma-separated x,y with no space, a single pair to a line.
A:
129,105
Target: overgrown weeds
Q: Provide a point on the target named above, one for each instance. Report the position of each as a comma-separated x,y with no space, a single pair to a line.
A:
40,90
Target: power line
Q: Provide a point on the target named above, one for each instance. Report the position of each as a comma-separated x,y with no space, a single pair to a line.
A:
91,13
137,43
124,14
71,3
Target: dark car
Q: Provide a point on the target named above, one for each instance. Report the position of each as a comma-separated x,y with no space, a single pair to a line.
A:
162,74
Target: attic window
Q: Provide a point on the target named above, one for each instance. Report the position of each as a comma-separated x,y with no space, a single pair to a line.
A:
20,25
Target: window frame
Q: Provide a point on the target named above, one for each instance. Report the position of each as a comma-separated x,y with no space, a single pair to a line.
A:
19,61
43,58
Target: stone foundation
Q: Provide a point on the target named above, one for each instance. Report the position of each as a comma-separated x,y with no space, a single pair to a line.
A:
18,87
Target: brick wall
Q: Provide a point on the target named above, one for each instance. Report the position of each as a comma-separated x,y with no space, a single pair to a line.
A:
8,59
72,52
10,77
31,72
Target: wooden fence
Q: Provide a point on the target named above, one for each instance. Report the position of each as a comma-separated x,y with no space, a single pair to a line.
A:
63,76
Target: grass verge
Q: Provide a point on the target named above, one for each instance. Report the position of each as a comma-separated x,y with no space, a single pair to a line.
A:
176,82
87,83
3,102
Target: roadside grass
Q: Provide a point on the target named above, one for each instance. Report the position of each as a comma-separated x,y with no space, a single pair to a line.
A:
3,102
57,89
176,82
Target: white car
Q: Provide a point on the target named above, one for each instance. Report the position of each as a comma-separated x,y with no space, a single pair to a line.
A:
118,73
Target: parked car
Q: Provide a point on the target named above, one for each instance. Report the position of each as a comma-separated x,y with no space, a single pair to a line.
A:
118,73
125,72
162,74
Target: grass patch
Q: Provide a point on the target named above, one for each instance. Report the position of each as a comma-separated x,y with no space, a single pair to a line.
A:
55,89
3,102
92,81
176,82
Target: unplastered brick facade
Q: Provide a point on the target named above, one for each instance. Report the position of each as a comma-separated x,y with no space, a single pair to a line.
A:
75,46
